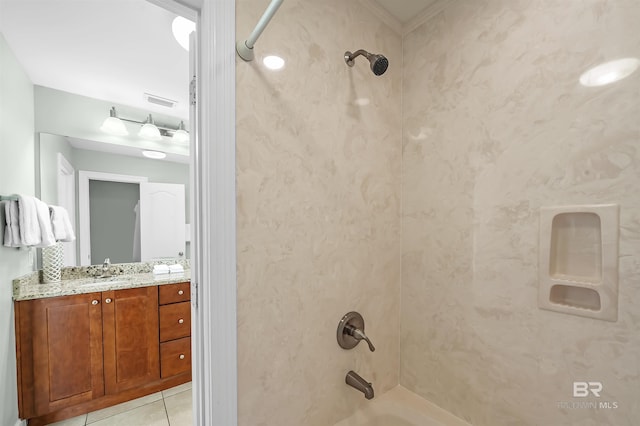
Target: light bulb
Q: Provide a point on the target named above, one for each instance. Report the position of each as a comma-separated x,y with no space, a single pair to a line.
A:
181,136
150,131
156,155
113,125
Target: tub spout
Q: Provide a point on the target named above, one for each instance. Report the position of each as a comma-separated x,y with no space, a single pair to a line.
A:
357,382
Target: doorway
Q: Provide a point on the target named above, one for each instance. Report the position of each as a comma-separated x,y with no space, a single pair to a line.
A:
87,215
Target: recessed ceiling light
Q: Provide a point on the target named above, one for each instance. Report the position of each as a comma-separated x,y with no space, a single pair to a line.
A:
181,28
273,62
156,155
609,72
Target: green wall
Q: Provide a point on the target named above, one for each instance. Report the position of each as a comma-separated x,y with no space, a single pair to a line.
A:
17,175
155,170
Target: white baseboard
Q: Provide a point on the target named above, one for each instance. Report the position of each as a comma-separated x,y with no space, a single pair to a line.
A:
21,422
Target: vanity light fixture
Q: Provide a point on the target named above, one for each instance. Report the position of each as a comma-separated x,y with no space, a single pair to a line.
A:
150,130
181,136
156,155
609,72
113,125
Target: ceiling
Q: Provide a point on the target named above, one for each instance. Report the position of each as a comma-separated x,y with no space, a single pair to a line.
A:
405,10
114,50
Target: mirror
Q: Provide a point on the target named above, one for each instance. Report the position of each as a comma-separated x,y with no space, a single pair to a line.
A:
77,80
112,179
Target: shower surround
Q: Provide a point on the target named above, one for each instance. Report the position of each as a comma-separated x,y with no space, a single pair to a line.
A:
414,198
496,126
318,211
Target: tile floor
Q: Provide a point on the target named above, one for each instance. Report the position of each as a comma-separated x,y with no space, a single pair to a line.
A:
171,407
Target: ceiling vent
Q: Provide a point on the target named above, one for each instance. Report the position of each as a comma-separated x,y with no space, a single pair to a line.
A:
157,100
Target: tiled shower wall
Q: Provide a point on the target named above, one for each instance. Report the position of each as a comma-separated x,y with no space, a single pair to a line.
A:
496,125
318,211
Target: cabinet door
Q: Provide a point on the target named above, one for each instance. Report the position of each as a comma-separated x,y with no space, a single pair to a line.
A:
60,352
131,342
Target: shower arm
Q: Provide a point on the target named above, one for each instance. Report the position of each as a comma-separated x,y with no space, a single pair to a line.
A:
245,48
349,57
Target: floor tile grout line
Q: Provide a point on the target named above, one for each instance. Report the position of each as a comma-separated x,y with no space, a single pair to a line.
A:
121,412
162,397
166,413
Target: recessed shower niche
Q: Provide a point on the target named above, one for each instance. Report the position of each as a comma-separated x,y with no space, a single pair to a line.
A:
579,260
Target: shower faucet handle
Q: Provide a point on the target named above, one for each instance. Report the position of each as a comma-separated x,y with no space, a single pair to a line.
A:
358,334
351,331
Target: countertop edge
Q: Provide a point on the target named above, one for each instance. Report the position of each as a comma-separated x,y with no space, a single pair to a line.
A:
93,285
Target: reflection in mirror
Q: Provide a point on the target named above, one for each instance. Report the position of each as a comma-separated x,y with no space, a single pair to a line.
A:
101,189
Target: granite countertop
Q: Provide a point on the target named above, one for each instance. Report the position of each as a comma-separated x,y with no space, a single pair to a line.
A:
30,289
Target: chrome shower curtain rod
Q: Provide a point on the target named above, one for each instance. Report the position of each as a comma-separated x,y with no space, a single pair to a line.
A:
245,48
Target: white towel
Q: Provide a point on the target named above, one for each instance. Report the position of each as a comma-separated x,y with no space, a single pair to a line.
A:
44,221
11,230
30,234
176,269
34,222
161,269
62,229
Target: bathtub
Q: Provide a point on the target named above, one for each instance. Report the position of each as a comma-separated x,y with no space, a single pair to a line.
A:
400,407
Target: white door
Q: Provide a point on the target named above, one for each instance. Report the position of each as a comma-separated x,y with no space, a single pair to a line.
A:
162,220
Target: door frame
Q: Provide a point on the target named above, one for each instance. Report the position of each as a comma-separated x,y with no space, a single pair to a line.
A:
213,212
84,226
215,325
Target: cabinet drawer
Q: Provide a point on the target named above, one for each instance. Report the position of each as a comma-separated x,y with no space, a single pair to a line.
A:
172,293
175,321
175,357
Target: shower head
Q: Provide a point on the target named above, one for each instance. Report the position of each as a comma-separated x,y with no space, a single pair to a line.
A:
378,62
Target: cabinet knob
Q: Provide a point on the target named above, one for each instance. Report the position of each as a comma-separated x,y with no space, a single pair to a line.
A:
94,302
181,356
180,292
180,253
107,300
180,321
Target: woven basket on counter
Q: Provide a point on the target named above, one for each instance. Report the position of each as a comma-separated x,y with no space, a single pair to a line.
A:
52,258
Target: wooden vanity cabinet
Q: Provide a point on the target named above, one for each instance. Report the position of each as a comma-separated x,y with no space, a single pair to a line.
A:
131,345
175,329
85,352
59,352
